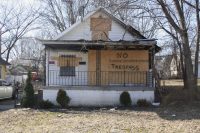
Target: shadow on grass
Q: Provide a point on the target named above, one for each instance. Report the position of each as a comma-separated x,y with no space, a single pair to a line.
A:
180,111
172,112
118,111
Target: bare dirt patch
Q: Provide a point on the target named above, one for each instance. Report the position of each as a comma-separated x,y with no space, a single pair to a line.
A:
89,121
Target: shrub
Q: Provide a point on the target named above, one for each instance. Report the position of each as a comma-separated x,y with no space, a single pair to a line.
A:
142,103
28,95
45,104
125,99
62,98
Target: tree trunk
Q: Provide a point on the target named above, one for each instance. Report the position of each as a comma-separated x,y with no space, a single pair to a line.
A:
8,54
189,82
197,43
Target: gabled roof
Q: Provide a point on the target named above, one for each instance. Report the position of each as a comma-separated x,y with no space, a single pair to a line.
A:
129,28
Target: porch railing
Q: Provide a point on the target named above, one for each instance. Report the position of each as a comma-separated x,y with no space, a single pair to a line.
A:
101,78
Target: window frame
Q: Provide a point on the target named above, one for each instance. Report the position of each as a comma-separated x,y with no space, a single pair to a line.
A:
69,69
67,72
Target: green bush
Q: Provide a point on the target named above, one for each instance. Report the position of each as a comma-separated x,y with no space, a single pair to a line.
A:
125,99
45,104
28,94
62,98
143,103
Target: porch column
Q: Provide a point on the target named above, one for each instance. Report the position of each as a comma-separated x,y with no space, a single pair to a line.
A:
98,67
150,73
47,66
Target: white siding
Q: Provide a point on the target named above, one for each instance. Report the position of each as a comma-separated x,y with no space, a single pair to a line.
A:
53,70
118,32
82,31
98,97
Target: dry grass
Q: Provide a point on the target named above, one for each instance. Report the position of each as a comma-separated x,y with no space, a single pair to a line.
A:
151,120
181,95
174,82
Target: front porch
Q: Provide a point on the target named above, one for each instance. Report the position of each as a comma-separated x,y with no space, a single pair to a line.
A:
102,64
101,79
96,73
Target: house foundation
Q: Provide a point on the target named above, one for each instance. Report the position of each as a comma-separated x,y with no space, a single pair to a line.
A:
98,96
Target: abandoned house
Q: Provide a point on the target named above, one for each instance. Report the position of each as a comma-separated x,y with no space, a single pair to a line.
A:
97,59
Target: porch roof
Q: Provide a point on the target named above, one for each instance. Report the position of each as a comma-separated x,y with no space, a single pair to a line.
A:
80,44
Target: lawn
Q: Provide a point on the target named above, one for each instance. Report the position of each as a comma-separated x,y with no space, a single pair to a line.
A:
174,82
182,119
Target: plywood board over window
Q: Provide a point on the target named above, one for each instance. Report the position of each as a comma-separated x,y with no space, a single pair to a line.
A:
100,35
100,24
68,60
120,67
100,28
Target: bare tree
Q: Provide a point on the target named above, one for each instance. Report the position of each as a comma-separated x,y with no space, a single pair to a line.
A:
178,15
15,22
197,40
60,14
32,50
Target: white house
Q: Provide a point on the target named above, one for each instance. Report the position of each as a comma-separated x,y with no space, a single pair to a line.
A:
98,58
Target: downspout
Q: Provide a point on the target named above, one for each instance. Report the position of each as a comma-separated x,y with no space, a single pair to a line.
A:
152,72
45,64
153,66
48,67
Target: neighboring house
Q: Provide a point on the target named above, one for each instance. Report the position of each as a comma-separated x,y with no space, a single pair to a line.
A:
98,58
168,66
17,73
18,70
31,54
3,70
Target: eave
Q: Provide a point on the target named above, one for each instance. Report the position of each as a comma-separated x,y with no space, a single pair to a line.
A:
79,44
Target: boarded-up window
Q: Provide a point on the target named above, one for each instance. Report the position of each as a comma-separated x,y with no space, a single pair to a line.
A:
100,24
67,65
100,28
100,35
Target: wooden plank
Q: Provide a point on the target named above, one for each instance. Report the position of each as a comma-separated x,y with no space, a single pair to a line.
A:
92,67
100,35
100,24
120,66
